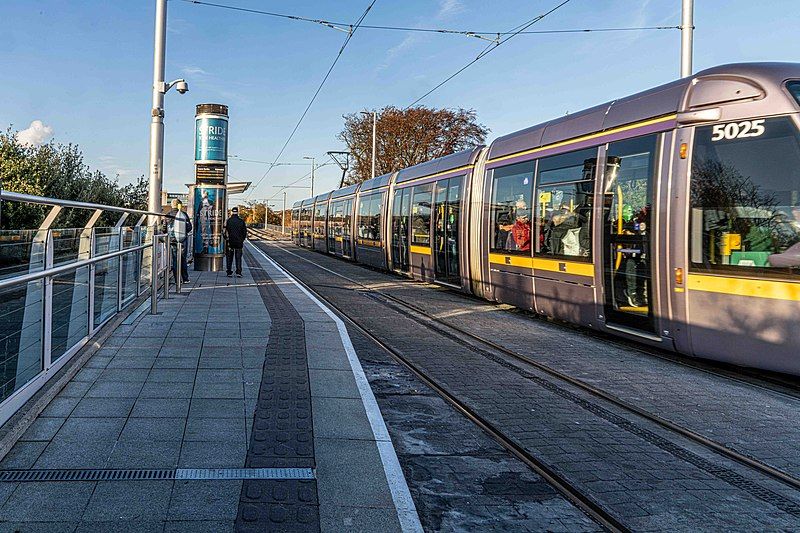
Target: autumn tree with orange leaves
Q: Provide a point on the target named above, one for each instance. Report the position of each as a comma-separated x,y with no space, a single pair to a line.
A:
406,137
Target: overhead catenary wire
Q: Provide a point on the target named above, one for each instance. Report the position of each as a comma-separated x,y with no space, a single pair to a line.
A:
448,31
261,162
490,48
281,188
316,93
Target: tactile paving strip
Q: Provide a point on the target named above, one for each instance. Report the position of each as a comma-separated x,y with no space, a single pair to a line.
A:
282,434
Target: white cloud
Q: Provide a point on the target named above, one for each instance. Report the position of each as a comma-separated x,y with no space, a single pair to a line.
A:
36,134
406,43
449,7
194,71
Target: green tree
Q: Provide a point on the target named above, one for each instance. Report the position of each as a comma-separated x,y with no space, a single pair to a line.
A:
58,171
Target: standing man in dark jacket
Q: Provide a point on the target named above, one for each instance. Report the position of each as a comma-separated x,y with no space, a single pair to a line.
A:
235,234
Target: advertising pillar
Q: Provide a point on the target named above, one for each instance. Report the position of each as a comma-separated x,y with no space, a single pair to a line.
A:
211,178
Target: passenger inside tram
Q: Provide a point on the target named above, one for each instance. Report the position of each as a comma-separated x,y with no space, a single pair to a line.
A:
519,234
633,264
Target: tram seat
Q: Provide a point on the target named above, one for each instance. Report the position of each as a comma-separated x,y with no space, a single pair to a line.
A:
788,259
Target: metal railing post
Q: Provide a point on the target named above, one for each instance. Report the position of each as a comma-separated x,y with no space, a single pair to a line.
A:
137,235
168,265
154,275
122,259
47,307
178,267
91,285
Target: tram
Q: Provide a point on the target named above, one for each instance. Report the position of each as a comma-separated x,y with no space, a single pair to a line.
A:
671,217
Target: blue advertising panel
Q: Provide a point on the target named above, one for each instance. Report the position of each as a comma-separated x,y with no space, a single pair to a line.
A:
211,138
209,212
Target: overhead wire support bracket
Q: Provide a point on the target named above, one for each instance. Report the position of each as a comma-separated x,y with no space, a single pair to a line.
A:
480,36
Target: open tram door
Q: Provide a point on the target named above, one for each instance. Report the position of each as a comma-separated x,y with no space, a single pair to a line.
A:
628,193
446,212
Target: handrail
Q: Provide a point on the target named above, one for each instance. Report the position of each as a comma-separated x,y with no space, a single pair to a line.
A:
43,200
63,269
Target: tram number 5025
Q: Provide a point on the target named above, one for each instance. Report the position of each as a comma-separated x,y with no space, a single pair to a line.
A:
738,130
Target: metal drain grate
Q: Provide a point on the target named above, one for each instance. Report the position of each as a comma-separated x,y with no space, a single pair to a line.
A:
244,473
97,474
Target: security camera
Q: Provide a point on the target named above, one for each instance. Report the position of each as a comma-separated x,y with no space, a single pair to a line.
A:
182,87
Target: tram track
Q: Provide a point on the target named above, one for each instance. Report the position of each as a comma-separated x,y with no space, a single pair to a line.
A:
455,332
570,491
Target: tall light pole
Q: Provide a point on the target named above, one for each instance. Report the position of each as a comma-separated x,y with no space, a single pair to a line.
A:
157,112
283,215
313,167
374,132
687,30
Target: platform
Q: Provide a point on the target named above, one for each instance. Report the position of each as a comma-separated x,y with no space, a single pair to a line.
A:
240,406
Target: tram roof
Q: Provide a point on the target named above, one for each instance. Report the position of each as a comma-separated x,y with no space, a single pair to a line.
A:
439,165
346,191
658,101
376,183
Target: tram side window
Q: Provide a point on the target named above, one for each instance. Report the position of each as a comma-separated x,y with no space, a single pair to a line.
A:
363,215
510,210
421,215
564,205
794,88
369,209
745,197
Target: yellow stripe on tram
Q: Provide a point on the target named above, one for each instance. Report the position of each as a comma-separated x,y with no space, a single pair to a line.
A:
511,260
756,288
567,267
549,265
424,250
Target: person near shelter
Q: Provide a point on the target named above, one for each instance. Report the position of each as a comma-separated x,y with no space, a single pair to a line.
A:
179,228
235,234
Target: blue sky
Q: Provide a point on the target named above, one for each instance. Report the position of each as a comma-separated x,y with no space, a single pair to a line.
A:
84,69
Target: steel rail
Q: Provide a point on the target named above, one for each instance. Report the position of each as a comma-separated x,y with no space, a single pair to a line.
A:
582,501
68,267
43,200
720,449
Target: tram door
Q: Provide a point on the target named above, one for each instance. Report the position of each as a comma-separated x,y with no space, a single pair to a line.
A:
447,203
627,226
347,229
400,208
335,228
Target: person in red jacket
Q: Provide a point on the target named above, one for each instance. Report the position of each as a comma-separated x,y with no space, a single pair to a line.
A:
519,238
